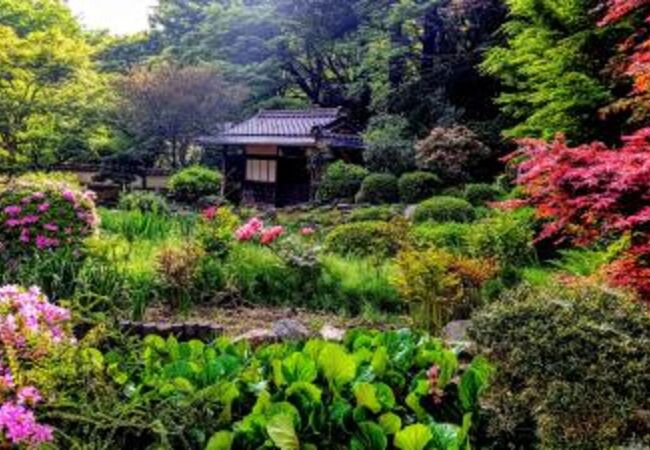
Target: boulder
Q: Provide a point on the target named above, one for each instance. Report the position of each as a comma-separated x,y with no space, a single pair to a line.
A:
289,329
331,333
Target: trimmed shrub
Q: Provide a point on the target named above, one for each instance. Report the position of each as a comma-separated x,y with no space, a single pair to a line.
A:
389,145
144,202
341,181
41,215
194,182
452,236
417,186
384,213
444,209
478,194
452,153
371,238
378,188
573,368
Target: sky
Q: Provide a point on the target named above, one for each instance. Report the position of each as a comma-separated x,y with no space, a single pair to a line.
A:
118,16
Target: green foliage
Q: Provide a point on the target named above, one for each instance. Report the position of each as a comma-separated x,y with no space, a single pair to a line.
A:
551,67
147,202
478,194
341,181
573,367
384,213
194,182
378,188
368,392
444,209
417,186
365,239
389,148
50,95
134,225
440,286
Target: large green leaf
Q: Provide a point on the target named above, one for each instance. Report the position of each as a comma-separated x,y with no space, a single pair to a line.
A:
366,395
221,440
445,436
380,361
309,392
369,437
413,437
282,432
473,382
390,423
337,365
299,367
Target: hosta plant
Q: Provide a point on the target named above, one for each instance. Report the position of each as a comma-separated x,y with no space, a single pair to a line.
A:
392,390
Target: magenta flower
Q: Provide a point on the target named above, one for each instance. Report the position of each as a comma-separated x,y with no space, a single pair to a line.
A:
69,196
51,227
38,195
19,425
13,210
24,235
30,219
29,395
43,207
12,223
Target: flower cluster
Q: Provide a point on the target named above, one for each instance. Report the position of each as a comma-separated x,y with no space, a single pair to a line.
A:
30,327
249,230
255,228
29,323
40,216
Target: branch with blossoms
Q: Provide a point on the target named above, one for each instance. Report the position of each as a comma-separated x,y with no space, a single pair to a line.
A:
31,328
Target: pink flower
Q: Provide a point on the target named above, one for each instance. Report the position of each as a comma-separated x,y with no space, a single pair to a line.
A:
210,213
270,235
307,231
38,195
19,425
69,196
24,235
43,207
30,219
29,395
13,210
51,227
249,230
43,242
12,223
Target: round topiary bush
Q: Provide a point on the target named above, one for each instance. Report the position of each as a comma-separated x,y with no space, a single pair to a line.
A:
478,194
417,186
144,202
194,182
37,215
444,209
341,181
378,188
370,238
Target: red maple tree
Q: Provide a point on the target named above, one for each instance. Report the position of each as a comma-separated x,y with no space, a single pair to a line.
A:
637,50
592,192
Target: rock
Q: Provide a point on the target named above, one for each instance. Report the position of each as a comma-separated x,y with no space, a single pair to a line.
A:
344,207
289,329
456,331
257,337
331,333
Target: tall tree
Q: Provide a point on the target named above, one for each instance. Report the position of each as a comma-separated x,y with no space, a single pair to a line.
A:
166,107
49,92
551,68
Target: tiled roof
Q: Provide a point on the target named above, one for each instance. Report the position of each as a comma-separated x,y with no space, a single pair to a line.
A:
288,127
285,123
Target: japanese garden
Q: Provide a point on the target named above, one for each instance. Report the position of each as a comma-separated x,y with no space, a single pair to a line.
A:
325,224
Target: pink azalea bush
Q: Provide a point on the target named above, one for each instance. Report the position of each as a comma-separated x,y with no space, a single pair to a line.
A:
255,229
41,215
31,328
